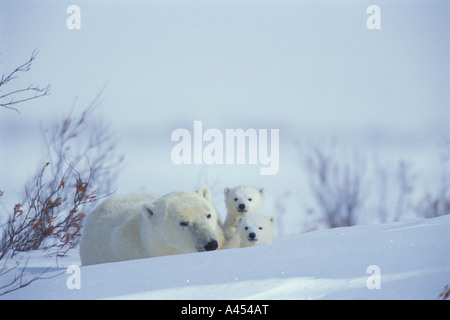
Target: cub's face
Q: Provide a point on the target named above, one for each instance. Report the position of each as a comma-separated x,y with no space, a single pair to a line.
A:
255,230
244,200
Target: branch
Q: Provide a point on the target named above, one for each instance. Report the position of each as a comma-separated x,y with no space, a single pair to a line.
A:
31,92
20,280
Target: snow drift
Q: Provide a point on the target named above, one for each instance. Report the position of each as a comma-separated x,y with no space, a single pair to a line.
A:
412,259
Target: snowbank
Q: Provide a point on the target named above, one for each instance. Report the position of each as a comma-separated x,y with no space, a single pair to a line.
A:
412,258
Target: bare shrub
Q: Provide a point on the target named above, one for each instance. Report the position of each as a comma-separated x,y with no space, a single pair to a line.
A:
58,196
437,203
19,279
12,98
337,186
406,182
347,188
81,168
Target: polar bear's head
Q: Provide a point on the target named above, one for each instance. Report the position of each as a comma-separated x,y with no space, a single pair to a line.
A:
244,199
180,222
255,230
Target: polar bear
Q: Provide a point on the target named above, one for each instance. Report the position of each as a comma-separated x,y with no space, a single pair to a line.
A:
126,227
253,230
240,201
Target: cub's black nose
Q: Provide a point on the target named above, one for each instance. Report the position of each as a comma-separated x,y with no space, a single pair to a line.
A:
212,245
252,235
241,206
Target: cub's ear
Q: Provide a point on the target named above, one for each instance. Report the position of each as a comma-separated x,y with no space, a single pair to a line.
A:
147,211
226,190
261,192
205,192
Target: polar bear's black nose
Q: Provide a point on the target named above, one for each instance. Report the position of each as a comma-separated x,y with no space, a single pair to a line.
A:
252,235
241,206
212,245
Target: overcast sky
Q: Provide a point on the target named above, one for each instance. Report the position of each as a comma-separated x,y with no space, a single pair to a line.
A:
304,67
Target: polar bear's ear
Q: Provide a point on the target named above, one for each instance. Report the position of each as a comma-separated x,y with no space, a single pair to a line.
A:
226,190
147,211
205,192
261,192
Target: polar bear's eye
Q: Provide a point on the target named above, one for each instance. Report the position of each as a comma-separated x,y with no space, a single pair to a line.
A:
260,228
235,199
184,223
208,216
246,228
250,199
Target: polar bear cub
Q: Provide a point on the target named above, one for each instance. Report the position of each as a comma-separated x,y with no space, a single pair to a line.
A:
127,227
253,230
240,201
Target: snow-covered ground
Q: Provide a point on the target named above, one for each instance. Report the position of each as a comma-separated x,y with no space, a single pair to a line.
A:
403,260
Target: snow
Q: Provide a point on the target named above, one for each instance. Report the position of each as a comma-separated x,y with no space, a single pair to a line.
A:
412,257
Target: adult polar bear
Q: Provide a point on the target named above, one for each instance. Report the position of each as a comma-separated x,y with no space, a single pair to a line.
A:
126,227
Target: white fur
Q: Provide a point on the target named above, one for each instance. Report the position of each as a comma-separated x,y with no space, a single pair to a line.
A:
253,230
138,226
240,201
